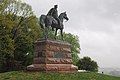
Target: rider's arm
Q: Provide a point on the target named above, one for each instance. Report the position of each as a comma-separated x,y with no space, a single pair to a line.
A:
50,12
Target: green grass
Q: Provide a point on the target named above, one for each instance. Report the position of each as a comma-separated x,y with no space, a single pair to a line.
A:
20,75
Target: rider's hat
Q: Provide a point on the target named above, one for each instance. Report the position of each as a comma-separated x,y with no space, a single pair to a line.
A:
55,6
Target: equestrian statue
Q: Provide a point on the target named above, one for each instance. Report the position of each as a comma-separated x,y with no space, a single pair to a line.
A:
54,21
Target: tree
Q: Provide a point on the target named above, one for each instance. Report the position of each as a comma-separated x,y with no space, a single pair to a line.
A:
87,64
6,44
18,30
24,40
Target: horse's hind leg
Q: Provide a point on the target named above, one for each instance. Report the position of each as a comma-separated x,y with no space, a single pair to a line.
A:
56,33
61,33
46,32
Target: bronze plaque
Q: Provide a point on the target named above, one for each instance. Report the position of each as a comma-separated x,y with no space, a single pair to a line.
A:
59,55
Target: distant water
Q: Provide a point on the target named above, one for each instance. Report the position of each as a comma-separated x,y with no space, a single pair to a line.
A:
110,71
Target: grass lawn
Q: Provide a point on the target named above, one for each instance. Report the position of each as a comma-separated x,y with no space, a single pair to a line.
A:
20,75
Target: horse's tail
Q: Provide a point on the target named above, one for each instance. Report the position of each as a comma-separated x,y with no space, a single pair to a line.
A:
42,21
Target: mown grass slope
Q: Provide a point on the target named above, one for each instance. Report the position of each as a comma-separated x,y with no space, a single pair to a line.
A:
20,75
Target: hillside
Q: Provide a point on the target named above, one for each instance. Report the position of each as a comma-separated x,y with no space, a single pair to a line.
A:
19,75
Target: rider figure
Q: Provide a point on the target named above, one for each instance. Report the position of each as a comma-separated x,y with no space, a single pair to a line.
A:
54,13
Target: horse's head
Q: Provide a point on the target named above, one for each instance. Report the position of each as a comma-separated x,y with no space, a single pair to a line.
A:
65,16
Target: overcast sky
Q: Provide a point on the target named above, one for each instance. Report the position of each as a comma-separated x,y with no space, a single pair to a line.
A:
96,22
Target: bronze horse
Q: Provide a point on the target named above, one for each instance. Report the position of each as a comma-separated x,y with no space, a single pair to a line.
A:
47,21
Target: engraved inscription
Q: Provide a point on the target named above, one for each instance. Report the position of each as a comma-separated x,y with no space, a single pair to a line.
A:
59,55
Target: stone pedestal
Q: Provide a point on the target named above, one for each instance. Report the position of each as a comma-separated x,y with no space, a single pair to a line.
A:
52,56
